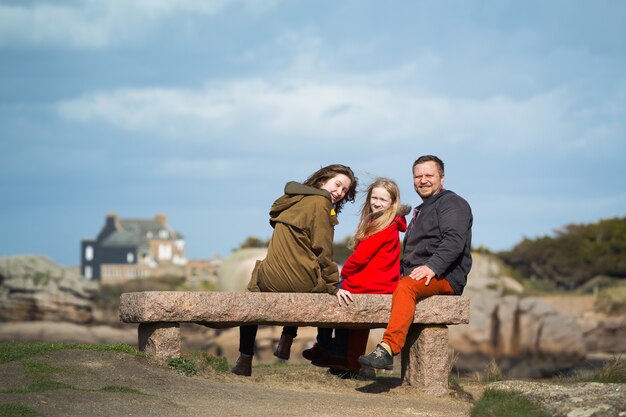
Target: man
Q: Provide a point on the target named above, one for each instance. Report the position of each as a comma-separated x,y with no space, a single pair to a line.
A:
437,256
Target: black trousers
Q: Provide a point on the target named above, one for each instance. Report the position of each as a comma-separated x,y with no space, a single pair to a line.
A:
247,336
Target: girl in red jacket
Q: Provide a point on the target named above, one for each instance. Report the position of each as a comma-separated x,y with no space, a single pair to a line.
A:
373,268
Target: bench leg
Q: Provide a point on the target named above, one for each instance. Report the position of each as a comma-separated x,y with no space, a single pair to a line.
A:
425,360
161,340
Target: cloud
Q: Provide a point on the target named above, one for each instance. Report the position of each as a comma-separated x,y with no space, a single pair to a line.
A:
327,112
201,169
99,23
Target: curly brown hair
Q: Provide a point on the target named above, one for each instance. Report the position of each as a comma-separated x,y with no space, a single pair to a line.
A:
322,175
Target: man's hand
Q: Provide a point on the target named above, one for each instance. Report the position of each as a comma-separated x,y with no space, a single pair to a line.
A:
422,272
345,296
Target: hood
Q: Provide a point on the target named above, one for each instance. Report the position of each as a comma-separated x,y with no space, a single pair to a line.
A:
401,223
294,192
403,210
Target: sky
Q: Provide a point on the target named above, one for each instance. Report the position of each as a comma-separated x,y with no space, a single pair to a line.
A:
202,110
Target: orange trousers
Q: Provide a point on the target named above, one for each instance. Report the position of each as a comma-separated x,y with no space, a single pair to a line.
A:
403,300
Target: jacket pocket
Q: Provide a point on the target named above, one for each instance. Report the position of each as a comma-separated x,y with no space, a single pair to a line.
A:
253,285
320,284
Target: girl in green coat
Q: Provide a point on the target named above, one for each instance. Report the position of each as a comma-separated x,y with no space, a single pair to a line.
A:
300,253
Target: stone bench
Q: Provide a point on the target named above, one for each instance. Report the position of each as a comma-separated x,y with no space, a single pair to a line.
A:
425,359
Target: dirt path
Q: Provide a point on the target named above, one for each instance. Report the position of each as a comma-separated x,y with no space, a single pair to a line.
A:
161,391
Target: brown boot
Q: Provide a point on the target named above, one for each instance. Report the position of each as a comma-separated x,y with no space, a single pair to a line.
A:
284,347
243,366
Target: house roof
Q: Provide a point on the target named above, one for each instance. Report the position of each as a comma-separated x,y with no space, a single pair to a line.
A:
137,233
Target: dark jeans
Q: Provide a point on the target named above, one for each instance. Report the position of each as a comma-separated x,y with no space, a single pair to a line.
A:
338,345
247,336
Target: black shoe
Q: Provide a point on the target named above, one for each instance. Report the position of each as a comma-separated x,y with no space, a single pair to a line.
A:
283,349
343,374
330,361
243,366
379,358
314,353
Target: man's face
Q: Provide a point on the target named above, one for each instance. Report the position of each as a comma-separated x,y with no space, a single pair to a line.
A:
426,179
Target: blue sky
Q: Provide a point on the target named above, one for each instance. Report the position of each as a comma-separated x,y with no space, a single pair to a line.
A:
202,110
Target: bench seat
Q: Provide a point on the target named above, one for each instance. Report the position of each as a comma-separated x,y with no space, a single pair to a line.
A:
425,359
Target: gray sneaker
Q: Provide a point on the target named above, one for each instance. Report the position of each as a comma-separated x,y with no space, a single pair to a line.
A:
379,358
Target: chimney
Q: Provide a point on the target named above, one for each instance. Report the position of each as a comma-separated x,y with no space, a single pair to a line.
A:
162,218
113,221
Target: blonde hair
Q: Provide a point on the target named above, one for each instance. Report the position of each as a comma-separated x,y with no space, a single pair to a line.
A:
372,223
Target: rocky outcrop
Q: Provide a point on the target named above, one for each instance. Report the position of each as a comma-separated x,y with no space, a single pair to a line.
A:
236,270
37,288
604,334
527,337
572,400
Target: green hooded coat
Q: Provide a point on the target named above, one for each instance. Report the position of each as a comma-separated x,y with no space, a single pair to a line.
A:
300,253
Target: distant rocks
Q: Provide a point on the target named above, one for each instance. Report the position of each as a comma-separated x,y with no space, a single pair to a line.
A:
236,270
527,337
37,288
604,334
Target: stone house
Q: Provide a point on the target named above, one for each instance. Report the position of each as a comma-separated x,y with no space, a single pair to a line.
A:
133,248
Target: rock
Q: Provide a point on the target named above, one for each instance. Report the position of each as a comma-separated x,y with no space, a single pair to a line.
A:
604,334
236,270
37,288
527,337
218,309
573,400
64,332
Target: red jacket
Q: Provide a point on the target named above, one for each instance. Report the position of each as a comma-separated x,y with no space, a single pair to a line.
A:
374,266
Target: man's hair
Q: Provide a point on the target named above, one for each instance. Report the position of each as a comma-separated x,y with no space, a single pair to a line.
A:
319,177
428,158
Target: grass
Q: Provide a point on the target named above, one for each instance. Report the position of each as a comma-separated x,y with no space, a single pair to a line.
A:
457,390
491,374
17,410
42,373
217,363
611,373
184,366
12,351
38,386
497,403
117,388
39,369
206,363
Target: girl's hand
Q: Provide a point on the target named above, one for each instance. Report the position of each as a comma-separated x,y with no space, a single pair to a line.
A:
345,296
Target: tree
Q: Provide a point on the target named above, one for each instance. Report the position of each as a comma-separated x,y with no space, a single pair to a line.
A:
254,242
574,255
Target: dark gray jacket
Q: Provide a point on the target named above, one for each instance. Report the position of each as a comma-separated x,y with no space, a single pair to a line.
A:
441,238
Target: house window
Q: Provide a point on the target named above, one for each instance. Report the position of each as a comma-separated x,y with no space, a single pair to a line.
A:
88,272
88,253
165,251
163,234
130,257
